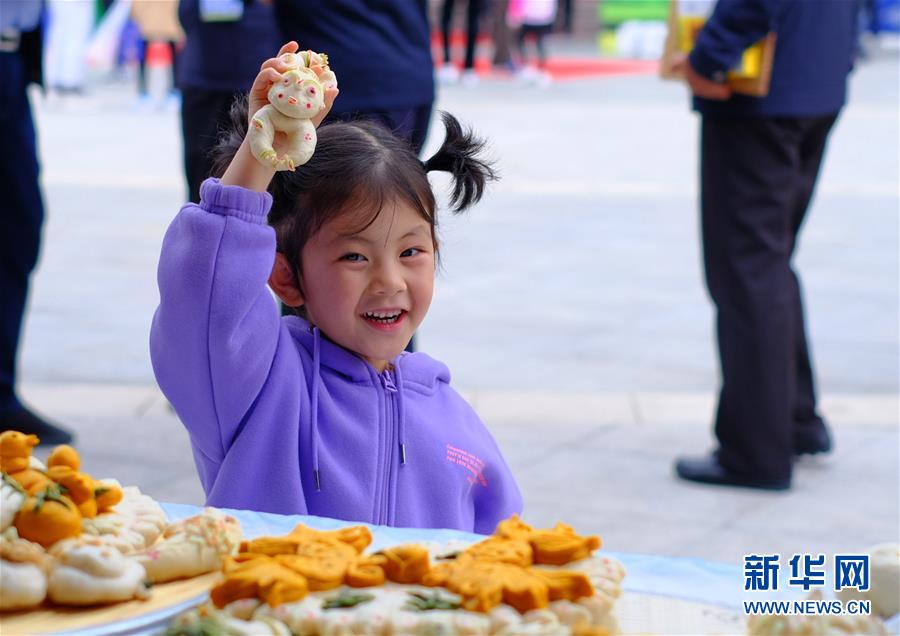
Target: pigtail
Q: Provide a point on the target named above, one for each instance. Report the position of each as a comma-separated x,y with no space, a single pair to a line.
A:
458,155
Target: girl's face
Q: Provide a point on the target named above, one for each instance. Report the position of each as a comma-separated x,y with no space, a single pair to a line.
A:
368,291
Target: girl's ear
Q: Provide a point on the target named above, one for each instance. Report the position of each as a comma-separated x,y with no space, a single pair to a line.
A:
283,282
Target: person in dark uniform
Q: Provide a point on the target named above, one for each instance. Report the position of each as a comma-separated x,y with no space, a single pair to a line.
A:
380,51
219,61
23,209
759,161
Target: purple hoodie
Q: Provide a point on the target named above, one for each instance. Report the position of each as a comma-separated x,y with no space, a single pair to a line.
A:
283,420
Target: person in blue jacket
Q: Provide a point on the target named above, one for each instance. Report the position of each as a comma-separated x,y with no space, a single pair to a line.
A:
380,51
224,42
22,213
759,161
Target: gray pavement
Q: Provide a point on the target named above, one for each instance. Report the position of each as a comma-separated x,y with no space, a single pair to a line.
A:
570,310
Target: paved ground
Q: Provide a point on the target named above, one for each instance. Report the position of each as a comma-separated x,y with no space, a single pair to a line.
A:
570,310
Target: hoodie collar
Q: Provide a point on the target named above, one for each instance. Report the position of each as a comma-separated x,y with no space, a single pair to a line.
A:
419,369
328,354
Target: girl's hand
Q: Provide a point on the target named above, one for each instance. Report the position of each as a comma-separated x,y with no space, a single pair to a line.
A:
270,73
244,170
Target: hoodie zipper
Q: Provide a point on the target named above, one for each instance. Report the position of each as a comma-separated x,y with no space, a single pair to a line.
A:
390,392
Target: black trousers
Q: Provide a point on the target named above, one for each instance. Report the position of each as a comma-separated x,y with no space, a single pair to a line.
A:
757,179
21,216
204,114
473,12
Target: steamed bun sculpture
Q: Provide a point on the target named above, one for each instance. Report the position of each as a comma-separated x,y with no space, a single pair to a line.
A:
293,103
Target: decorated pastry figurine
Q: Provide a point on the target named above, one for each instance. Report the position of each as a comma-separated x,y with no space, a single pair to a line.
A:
23,573
192,547
17,462
48,517
89,572
15,450
884,581
293,101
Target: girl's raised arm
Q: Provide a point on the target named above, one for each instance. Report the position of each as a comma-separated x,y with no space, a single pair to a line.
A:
217,329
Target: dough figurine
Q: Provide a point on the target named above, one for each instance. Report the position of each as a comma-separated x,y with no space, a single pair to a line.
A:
884,581
192,547
15,451
23,573
89,572
293,102
134,524
48,517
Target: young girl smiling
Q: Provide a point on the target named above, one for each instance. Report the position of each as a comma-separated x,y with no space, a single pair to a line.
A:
323,412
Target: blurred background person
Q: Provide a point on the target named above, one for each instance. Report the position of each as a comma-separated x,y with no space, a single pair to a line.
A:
382,59
157,21
22,213
534,20
501,36
448,73
759,161
223,45
380,52
70,23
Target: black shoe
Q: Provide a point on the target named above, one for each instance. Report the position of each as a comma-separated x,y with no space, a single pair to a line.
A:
25,421
708,470
812,443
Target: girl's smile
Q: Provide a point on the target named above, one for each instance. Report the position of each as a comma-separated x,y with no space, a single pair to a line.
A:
369,290
385,319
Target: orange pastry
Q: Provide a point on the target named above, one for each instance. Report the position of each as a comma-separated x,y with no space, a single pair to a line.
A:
15,450
64,455
561,545
33,481
80,486
367,571
48,517
107,495
406,563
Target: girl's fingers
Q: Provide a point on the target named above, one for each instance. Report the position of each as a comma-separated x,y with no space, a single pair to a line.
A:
290,47
266,78
276,62
330,94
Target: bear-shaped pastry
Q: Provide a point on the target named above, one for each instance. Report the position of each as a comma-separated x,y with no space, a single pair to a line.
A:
293,102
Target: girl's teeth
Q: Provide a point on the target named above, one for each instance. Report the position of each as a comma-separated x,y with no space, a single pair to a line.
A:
382,317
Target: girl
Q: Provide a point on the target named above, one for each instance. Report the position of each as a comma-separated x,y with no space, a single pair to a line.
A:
322,413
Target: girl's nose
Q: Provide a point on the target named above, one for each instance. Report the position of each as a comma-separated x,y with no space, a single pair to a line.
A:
388,281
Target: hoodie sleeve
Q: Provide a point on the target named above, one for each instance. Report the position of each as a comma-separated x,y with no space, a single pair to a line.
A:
734,26
501,500
214,334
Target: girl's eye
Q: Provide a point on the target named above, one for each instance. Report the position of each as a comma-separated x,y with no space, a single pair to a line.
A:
353,257
412,251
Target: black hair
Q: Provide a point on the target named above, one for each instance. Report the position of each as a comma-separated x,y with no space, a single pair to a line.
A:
361,165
